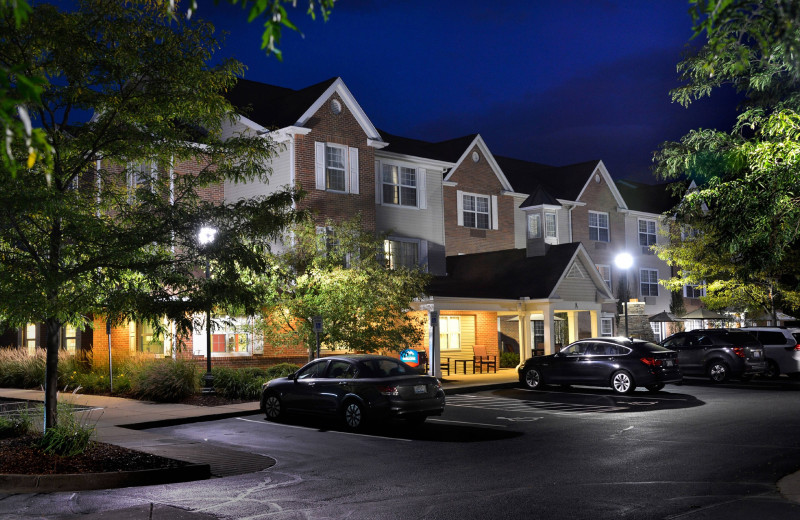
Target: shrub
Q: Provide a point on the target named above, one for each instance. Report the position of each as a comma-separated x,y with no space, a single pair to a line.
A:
71,435
16,422
509,360
18,369
281,370
165,381
245,383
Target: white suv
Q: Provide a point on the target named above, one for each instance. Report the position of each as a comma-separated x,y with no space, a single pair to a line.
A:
782,349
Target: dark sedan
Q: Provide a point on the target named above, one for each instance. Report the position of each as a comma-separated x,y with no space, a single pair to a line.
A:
355,388
621,363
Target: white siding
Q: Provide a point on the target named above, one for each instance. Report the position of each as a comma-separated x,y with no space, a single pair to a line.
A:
281,178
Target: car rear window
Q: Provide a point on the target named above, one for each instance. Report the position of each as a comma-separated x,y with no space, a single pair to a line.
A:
768,337
385,368
737,338
652,347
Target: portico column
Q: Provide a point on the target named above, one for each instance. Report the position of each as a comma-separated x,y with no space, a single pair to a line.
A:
549,331
525,342
595,321
574,326
434,364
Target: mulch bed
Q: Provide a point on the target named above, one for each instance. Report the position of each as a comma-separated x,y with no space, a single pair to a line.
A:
22,456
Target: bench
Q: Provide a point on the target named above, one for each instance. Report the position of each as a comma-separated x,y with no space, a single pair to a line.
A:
482,359
444,364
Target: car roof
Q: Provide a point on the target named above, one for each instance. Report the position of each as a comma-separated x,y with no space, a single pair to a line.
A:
358,357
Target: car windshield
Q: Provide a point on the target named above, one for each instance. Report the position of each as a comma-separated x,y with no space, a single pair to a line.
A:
381,368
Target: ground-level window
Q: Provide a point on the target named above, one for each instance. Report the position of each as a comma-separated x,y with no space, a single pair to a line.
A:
538,334
693,291
648,282
606,327
449,333
656,327
228,336
145,338
30,338
70,339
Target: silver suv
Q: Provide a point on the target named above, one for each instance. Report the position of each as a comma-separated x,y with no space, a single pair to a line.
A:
782,348
718,353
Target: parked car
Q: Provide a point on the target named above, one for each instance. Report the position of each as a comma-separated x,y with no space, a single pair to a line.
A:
718,353
355,388
782,348
621,363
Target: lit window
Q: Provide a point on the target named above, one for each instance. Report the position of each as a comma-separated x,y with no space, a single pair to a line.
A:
648,281
476,211
598,226
606,327
70,341
449,333
335,171
399,185
401,253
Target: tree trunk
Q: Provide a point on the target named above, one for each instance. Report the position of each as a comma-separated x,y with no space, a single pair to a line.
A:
53,327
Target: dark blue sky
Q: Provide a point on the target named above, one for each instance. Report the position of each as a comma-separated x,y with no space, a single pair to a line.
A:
554,82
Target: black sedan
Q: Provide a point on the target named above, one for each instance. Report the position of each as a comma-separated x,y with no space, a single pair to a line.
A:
355,388
621,363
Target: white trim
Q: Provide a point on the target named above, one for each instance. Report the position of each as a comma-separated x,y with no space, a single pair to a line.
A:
460,207
350,102
601,169
319,164
485,154
422,188
352,174
494,223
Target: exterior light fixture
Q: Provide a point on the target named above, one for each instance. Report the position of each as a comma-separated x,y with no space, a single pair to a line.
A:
206,237
624,261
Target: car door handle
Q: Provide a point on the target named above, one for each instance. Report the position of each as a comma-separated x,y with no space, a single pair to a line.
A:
342,383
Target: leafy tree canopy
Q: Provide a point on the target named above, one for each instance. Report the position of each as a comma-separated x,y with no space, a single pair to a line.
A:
338,272
110,225
744,206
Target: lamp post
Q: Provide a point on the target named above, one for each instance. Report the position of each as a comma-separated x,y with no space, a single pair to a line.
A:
624,261
206,237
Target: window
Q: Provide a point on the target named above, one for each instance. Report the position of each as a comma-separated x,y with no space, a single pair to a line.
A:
648,282
70,339
449,333
598,226
335,168
550,228
476,211
30,338
656,328
534,225
147,340
234,337
647,232
693,291
538,334
606,327
401,253
141,176
399,185
605,273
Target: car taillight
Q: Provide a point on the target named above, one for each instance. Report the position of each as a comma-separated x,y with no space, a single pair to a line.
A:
797,347
388,390
739,351
651,361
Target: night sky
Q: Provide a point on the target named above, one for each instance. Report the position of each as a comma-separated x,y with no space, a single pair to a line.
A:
555,82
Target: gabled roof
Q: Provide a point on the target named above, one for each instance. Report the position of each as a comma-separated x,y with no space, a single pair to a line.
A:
488,156
539,198
507,274
446,151
273,107
561,182
648,198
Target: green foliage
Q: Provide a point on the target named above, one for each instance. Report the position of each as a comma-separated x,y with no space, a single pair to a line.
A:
341,276
245,383
20,370
743,210
165,381
17,422
509,360
71,434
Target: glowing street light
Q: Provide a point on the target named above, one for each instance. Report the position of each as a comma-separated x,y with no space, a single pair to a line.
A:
624,261
206,237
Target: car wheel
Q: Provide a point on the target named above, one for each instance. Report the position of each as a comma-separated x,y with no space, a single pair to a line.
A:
718,372
773,371
533,379
655,388
273,408
353,415
622,382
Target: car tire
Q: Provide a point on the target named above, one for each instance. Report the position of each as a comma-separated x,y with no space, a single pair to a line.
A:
273,407
533,379
353,415
622,382
655,388
773,370
718,371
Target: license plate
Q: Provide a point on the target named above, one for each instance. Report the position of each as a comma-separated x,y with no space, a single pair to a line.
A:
756,354
668,363
420,389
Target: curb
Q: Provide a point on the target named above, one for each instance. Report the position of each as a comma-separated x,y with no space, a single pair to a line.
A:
479,388
86,481
176,421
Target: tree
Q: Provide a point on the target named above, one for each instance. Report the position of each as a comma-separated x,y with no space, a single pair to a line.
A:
337,272
107,228
744,214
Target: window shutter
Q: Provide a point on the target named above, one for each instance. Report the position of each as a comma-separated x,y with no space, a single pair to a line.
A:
319,165
378,182
423,255
354,170
422,192
199,340
460,207
495,224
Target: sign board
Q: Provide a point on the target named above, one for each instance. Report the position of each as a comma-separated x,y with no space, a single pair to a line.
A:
317,320
434,317
410,357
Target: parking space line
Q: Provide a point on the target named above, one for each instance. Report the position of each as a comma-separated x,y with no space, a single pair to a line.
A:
467,422
325,431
